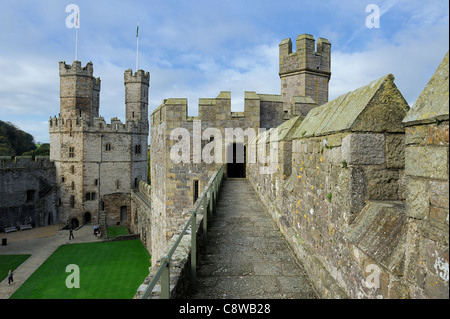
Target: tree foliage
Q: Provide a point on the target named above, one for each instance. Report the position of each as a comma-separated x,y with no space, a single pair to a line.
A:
42,150
14,141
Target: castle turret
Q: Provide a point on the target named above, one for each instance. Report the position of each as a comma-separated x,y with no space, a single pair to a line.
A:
305,72
136,95
79,91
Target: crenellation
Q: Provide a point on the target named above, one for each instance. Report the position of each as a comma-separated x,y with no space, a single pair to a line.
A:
98,125
76,69
305,72
25,162
138,77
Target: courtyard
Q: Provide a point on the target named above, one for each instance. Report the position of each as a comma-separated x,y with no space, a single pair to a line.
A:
47,259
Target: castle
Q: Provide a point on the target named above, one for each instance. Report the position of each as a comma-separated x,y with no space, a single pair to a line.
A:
93,165
360,181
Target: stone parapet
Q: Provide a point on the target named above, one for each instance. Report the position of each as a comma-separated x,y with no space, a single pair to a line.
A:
25,162
338,192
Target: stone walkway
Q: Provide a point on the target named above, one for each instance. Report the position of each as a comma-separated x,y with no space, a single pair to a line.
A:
246,255
40,243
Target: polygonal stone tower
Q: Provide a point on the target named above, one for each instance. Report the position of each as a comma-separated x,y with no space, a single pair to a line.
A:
79,91
306,72
136,95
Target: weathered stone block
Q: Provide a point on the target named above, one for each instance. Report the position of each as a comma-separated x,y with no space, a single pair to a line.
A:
439,194
415,134
398,289
395,151
333,155
363,149
439,217
438,134
358,187
417,197
382,184
431,162
435,288
379,231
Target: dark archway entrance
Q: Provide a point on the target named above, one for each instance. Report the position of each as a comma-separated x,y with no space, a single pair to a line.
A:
236,158
87,218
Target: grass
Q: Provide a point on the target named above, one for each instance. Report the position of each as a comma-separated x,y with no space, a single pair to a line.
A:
107,270
8,262
116,231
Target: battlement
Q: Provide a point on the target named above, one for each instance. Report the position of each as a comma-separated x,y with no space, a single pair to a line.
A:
307,55
175,110
61,125
25,162
76,69
138,77
306,72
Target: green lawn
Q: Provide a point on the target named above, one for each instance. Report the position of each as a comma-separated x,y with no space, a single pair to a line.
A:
116,231
8,262
107,270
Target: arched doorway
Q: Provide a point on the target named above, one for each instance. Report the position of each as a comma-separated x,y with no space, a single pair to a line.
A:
87,218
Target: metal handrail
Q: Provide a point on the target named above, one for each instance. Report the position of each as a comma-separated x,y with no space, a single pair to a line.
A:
163,273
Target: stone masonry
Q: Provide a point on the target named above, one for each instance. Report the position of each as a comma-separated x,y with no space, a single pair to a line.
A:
361,191
28,192
98,163
304,84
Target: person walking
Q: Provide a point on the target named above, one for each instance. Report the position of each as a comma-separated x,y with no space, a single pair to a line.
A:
71,234
10,277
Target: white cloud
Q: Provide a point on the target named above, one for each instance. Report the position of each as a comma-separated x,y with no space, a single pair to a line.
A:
412,57
197,49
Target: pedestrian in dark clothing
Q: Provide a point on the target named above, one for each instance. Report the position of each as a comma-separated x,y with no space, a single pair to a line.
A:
10,277
71,235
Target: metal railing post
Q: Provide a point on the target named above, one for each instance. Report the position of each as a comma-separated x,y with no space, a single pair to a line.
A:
193,249
213,186
205,220
165,279
211,201
162,275
208,200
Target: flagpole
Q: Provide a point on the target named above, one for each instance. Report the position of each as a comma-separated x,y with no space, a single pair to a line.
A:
76,45
77,26
137,46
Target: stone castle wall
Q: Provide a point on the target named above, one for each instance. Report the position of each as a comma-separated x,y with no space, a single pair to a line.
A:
304,85
174,194
141,214
28,192
427,187
363,204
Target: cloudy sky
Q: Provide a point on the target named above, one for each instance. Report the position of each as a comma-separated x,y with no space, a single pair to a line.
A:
197,48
